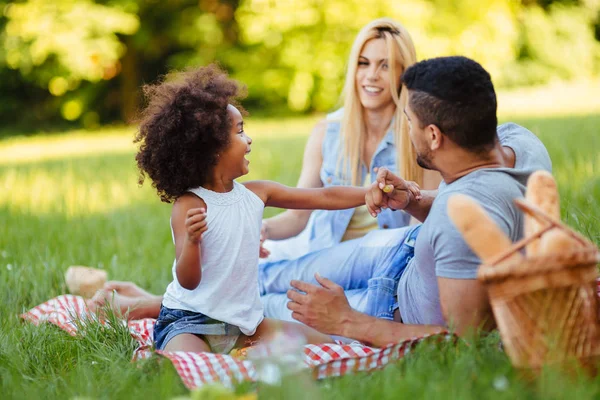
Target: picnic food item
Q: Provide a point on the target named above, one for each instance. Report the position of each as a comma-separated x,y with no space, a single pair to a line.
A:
545,304
240,354
542,192
84,281
557,241
479,230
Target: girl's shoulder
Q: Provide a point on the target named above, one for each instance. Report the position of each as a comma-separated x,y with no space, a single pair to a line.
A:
188,201
259,189
182,205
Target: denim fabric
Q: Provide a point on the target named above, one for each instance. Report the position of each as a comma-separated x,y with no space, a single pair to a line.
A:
327,227
368,269
172,322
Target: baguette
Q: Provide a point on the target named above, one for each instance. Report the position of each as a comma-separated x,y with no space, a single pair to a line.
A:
557,241
84,281
479,230
543,193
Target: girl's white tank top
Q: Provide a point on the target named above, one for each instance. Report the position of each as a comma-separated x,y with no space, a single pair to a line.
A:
228,290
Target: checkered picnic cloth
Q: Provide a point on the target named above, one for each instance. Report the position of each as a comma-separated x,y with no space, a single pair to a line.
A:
196,369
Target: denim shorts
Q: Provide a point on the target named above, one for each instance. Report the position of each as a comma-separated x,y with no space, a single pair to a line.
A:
173,322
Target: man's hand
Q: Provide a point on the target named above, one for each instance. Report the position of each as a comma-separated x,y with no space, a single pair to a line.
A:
263,252
390,191
324,308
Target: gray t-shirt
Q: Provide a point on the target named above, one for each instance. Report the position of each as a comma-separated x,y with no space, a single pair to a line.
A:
440,250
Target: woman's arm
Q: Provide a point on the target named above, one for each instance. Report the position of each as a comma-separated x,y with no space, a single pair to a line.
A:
188,220
291,222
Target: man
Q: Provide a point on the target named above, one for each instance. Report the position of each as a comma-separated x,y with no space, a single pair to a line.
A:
452,113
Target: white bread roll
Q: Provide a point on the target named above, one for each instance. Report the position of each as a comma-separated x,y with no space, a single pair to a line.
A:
84,281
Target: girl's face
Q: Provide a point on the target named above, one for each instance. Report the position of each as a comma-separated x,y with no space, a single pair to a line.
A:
233,159
373,76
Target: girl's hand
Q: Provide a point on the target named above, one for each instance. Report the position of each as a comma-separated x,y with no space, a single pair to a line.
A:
195,224
390,191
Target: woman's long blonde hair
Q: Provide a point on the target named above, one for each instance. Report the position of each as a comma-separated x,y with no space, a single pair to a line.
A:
353,130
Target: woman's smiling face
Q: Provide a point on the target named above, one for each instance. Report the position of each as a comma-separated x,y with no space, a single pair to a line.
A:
373,82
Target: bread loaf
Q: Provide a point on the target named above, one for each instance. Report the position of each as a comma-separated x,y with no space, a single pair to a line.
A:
479,230
557,241
542,192
84,281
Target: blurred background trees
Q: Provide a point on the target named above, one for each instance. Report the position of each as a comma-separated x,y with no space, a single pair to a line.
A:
82,62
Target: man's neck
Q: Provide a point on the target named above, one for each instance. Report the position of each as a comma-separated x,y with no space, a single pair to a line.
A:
465,162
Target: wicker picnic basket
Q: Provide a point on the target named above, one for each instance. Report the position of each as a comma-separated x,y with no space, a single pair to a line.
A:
546,307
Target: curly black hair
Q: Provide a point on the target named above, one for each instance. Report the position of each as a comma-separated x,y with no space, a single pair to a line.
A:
183,127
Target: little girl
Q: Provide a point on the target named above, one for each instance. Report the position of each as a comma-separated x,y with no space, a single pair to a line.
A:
193,147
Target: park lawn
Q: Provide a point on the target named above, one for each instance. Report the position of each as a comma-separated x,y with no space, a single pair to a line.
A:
74,199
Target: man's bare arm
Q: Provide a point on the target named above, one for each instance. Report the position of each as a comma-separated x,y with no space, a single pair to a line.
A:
464,305
326,309
379,332
420,208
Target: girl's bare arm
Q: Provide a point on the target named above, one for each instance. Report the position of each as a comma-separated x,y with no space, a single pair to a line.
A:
330,198
188,222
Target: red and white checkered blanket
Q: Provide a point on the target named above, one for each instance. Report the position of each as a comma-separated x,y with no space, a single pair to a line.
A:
197,369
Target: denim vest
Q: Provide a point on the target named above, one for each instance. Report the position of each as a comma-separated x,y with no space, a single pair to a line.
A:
327,227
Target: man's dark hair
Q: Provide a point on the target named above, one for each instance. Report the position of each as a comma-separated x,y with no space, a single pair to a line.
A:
457,95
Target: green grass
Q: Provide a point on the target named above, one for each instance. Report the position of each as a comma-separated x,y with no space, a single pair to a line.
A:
73,199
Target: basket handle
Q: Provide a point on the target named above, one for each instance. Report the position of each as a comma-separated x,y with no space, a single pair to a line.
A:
549,223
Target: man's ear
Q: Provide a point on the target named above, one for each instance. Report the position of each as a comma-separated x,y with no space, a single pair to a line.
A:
435,137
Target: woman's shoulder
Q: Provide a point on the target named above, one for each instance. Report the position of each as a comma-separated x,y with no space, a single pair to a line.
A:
330,126
335,116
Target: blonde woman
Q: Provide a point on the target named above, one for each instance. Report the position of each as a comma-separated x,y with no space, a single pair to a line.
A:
369,132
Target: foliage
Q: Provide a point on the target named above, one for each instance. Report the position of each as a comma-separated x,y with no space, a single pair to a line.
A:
307,44
74,40
84,61
56,45
555,44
